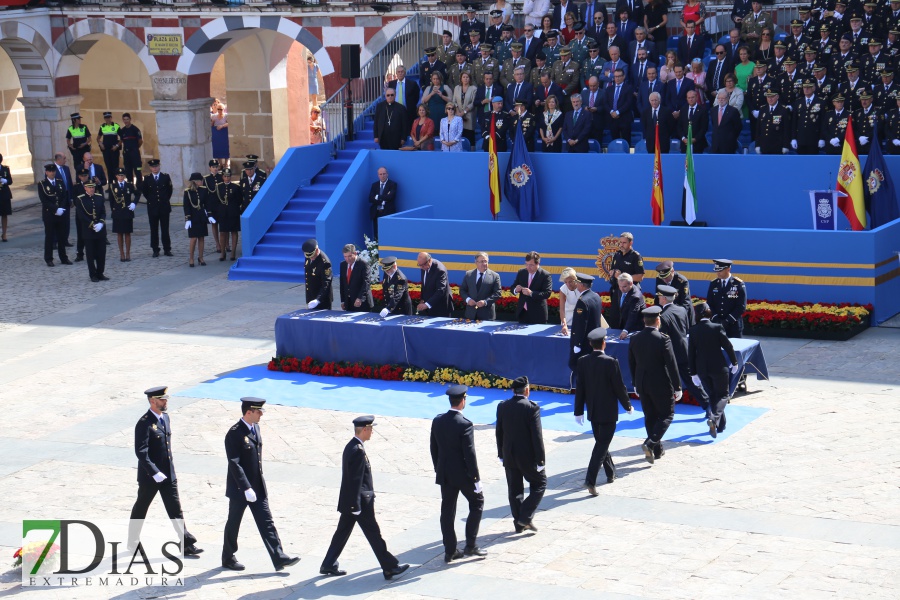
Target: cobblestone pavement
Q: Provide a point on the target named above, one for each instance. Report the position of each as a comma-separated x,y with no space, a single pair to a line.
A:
802,503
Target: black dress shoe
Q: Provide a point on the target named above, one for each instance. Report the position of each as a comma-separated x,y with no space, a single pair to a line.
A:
391,573
518,528
192,550
156,254
648,452
233,565
592,490
334,571
287,563
528,526
455,555
66,262
474,551
50,263
712,427
95,279
659,452
103,277
169,253
611,478
79,258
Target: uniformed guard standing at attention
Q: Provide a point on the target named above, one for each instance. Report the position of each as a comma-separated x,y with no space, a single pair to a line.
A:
834,126
396,289
5,196
486,64
357,505
431,64
727,298
157,189
121,207
54,207
211,182
586,318
446,51
520,447
627,260
254,160
230,194
807,122
132,140
456,471
110,144
529,124
773,126
319,294
78,138
666,275
567,75
252,179
246,487
92,214
156,470
501,126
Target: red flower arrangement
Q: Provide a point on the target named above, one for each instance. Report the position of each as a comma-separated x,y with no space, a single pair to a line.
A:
336,369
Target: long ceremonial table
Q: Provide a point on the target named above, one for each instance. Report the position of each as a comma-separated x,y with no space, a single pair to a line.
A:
498,347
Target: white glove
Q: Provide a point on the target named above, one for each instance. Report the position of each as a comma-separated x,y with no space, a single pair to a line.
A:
60,212
678,395
794,144
579,419
784,150
758,150
212,221
384,312
895,142
755,114
98,227
356,513
477,487
835,142
250,495
577,349
3,180
540,468
131,206
734,369
159,478
696,380
863,140
187,225
312,304
822,143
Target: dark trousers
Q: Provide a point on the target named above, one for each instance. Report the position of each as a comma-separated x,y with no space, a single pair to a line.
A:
78,157
370,529
734,329
111,160
811,148
717,386
523,508
67,224
449,496
79,243
159,221
658,415
698,393
620,129
55,233
603,435
168,491
131,162
95,253
264,522
375,225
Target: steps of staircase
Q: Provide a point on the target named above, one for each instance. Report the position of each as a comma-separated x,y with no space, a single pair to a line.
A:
293,227
267,249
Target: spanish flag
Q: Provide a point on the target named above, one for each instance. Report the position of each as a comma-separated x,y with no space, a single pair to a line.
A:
494,169
850,183
657,204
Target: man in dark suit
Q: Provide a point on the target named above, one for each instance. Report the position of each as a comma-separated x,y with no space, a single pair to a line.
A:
576,127
592,102
534,286
653,114
396,289
246,487
531,45
690,45
613,39
407,93
382,198
716,71
157,189
707,365
697,116
733,45
356,504
391,125
54,214
667,275
625,27
456,471
559,11
639,68
64,175
600,386
518,91
726,124
676,90
655,376
156,470
619,101
482,103
356,295
435,300
480,290
647,87
626,304
635,9
470,23
544,91
674,322
520,447
585,319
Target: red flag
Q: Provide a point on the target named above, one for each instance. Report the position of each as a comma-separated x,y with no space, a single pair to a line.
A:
493,170
851,199
657,204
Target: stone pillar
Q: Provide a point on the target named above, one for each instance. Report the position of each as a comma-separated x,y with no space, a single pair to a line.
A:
183,129
46,122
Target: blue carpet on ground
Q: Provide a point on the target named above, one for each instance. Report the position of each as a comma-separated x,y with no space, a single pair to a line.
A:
425,400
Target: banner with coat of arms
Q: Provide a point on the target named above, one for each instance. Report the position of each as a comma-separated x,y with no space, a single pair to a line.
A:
824,208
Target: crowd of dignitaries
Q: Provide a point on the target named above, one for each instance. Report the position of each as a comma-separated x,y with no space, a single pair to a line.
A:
578,73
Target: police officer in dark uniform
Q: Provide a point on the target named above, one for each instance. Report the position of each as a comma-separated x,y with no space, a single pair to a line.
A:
755,96
865,119
78,138
54,214
627,260
727,298
468,25
834,126
157,189
211,182
529,124
796,42
252,179
502,123
708,367
396,289
520,447
254,160
246,487
110,144
773,127
666,275
431,64
585,319
132,140
826,87
790,83
674,322
601,386
91,211
886,91
156,470
807,122
873,65
492,36
356,504
892,129
318,276
852,88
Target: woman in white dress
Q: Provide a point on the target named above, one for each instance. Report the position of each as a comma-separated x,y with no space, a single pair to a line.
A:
568,296
451,130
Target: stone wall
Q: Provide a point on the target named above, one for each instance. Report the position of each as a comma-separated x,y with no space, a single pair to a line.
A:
13,137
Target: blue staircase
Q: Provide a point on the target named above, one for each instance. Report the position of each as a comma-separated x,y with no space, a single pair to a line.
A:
278,255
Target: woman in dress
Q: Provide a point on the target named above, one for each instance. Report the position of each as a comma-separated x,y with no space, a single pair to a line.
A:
743,70
121,195
451,130
667,71
698,76
551,126
436,97
464,99
506,8
694,10
735,94
568,297
221,149
422,132
568,32
656,17
196,217
766,50
231,198
316,126
5,196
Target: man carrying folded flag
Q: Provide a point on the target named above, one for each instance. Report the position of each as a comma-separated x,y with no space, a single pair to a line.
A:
657,206
881,197
850,182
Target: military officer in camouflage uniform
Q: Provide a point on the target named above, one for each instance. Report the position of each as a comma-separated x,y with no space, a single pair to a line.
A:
593,64
834,126
446,52
567,74
773,132
807,121
540,67
473,48
431,64
318,276
727,299
462,65
553,47
486,64
853,88
529,124
578,45
865,119
886,92
892,128
502,50
667,275
510,64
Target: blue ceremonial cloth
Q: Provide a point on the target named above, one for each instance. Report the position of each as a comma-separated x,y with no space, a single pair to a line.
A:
507,349
880,195
520,185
